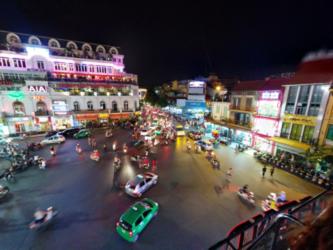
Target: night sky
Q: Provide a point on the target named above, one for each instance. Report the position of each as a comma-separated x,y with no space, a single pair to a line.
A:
164,41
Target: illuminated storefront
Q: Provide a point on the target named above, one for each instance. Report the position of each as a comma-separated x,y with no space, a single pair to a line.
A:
266,120
20,124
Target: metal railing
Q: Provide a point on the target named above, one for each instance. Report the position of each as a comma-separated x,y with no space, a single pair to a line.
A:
262,230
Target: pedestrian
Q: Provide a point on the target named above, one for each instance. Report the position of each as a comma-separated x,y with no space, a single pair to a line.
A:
264,171
228,175
89,140
272,171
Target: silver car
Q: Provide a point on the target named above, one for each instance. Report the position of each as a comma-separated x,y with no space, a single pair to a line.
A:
140,184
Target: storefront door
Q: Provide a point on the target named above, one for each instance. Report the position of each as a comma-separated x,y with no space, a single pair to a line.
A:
19,127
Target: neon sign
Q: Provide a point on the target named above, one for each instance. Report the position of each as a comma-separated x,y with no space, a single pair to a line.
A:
35,51
196,84
16,95
270,95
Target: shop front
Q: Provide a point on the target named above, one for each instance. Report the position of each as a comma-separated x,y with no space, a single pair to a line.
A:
263,144
19,124
103,119
120,116
194,109
42,123
62,121
217,130
86,120
243,137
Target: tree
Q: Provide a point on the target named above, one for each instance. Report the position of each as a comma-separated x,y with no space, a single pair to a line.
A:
156,98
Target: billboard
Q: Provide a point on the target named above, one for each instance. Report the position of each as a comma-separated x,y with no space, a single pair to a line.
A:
196,88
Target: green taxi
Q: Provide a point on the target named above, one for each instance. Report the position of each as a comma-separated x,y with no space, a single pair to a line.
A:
136,218
82,134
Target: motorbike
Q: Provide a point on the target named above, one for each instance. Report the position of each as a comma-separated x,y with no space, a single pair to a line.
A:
52,152
273,201
95,156
78,150
108,134
135,158
125,150
3,191
246,196
215,163
51,213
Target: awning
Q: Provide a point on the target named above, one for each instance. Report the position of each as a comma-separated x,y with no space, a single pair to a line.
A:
291,143
87,117
120,115
103,116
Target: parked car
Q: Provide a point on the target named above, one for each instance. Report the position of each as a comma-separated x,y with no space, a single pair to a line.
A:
70,132
136,218
53,132
140,184
83,133
205,145
53,139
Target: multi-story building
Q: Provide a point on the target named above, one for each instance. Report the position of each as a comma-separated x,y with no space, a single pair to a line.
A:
305,100
49,83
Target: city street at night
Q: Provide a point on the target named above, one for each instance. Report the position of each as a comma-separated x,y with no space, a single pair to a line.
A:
197,205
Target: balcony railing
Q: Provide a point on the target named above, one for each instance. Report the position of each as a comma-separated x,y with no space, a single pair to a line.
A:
89,81
241,108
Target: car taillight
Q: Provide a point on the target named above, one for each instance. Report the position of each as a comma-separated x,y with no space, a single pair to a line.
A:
130,233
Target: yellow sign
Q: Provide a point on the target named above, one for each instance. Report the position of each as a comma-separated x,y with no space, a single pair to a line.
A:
300,119
103,116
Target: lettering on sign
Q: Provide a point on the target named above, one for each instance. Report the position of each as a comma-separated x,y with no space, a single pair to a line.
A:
37,89
270,95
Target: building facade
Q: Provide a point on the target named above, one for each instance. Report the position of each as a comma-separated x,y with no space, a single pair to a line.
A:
305,102
47,83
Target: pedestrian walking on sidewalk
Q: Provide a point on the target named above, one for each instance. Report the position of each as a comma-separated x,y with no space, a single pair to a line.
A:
264,169
272,171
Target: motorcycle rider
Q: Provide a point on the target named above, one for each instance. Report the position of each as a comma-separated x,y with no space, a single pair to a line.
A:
125,148
78,148
245,189
95,155
105,147
40,216
282,197
114,146
52,151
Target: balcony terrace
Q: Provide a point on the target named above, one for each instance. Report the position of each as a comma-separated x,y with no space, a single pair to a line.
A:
243,109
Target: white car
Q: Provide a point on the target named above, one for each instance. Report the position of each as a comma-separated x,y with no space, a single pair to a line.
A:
205,145
140,184
144,132
53,139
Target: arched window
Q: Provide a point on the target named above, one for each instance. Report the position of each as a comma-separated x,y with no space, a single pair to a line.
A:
114,106
18,108
41,106
76,106
90,105
125,105
102,105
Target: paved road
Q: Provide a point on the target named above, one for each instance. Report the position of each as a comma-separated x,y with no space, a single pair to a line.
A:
197,207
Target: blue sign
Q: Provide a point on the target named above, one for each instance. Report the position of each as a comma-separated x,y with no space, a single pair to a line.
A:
195,105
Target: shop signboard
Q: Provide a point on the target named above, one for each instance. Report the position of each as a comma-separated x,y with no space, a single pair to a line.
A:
270,95
87,117
59,107
264,126
195,105
103,116
37,89
196,87
300,119
16,95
